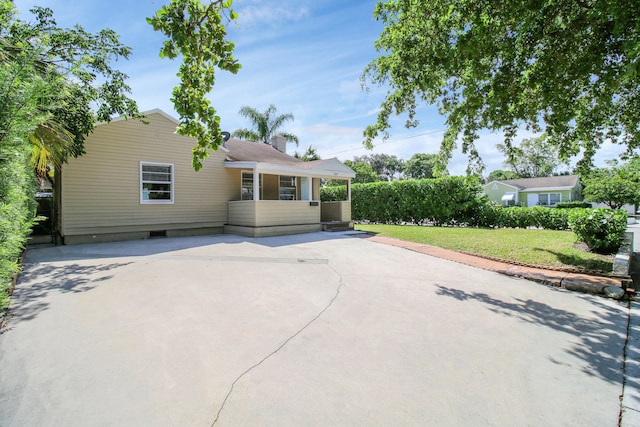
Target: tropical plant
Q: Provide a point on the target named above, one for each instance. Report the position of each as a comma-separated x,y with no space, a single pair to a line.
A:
309,155
265,125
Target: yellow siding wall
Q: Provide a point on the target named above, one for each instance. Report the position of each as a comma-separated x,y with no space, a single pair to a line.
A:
287,212
336,211
267,213
100,190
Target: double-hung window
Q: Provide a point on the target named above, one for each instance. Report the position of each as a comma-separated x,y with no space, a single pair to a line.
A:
156,182
287,187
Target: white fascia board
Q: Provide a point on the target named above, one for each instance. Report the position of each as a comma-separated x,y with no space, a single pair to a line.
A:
544,189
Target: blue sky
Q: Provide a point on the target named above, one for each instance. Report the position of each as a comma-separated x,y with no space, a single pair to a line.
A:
305,57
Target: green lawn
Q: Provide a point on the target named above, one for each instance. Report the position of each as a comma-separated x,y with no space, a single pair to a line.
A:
539,247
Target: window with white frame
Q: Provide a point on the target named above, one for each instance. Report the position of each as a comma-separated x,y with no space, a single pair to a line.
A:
246,190
549,199
156,182
287,187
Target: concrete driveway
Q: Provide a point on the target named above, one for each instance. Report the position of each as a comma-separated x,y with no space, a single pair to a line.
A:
316,330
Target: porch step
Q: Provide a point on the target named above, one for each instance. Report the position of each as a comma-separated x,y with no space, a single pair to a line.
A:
337,226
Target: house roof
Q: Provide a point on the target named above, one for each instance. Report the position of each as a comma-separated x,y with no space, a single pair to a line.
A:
265,158
556,182
245,151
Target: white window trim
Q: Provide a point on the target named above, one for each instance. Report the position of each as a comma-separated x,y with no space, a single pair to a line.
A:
172,183
260,189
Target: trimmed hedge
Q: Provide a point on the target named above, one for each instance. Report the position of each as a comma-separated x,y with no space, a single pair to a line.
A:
442,201
458,201
572,205
493,216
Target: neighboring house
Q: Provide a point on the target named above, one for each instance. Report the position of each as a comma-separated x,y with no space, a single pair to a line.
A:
136,181
546,191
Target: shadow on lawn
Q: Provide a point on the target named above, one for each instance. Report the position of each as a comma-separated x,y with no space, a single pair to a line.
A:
600,343
602,265
37,281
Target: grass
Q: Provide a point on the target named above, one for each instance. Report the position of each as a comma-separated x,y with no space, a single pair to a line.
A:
538,247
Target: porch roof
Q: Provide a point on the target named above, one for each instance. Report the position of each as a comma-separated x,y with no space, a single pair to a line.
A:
266,159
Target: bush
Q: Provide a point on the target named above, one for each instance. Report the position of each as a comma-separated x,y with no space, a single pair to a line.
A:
17,211
442,201
494,216
601,229
573,205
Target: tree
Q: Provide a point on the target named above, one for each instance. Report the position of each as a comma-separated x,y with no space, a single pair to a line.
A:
54,85
385,165
364,172
501,175
197,32
534,157
613,191
567,67
309,155
615,186
265,125
69,72
420,166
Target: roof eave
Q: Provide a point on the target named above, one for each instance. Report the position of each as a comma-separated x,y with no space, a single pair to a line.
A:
276,169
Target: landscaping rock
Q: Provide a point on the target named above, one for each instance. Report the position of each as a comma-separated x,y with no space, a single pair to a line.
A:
614,292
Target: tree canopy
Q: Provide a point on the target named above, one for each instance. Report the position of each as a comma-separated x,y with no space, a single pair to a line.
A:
385,165
566,67
501,175
58,83
615,186
534,157
265,125
197,32
420,166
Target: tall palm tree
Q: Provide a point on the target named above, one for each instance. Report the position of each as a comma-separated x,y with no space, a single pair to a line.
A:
265,125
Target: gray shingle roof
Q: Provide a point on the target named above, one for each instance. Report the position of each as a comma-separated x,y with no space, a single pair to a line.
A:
548,181
245,151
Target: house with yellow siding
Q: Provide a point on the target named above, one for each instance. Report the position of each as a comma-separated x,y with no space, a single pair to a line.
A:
136,181
529,192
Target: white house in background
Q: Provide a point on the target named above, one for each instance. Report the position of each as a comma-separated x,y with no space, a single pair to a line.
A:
546,191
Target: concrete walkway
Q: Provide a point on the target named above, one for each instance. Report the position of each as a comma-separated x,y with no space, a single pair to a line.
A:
315,330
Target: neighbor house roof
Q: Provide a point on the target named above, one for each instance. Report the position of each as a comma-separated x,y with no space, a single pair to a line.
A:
265,158
555,182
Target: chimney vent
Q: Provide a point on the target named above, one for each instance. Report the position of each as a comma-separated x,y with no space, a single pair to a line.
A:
279,143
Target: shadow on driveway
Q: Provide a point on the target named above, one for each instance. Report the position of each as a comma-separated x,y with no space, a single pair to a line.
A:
593,340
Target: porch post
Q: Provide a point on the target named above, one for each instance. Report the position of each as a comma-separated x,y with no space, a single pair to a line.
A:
256,185
310,187
349,190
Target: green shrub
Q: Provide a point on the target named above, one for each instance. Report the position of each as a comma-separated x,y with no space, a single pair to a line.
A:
573,205
601,229
494,216
17,211
442,201
333,193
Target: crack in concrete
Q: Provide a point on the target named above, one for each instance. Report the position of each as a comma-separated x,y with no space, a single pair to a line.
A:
281,346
